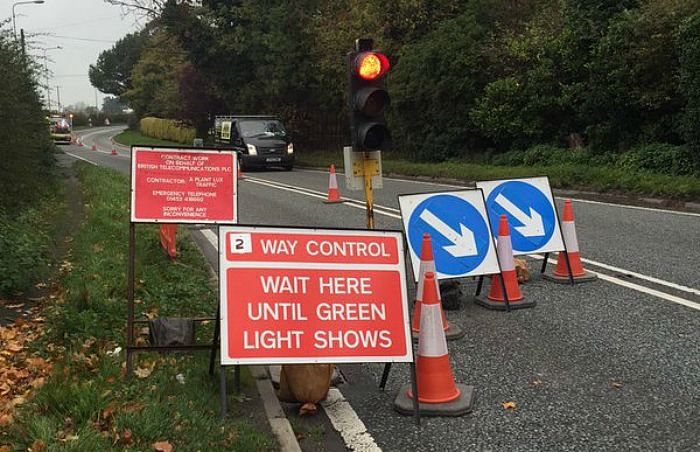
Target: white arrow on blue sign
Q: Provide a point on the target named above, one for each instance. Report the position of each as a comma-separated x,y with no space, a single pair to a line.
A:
529,207
458,226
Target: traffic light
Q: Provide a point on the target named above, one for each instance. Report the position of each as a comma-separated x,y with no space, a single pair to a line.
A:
369,100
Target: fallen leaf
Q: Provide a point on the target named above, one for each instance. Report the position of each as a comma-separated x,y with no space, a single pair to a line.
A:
162,446
142,372
125,439
38,446
509,405
537,382
616,384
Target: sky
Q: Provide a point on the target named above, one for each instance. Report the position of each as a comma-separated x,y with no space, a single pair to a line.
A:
82,28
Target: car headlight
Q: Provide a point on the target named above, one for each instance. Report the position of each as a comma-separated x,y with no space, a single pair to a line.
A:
252,150
290,148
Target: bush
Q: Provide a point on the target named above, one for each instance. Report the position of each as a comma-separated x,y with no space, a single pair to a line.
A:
659,158
23,253
167,129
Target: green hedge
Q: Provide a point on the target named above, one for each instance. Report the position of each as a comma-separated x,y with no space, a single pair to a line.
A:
167,129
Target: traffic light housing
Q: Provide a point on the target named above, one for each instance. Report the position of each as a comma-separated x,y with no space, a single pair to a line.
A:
368,100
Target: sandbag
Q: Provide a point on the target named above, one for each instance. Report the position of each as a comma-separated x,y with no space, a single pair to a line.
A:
171,331
305,383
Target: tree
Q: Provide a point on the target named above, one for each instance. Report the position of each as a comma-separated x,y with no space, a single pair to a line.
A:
112,74
156,86
688,44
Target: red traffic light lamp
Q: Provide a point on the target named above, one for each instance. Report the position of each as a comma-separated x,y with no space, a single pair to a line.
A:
368,100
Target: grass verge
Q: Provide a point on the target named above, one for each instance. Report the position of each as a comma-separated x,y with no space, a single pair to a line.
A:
602,179
81,399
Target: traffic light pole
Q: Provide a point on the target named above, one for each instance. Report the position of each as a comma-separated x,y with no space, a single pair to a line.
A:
368,190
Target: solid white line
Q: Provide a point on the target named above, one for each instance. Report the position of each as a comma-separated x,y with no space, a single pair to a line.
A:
644,277
81,158
346,422
650,209
637,287
656,293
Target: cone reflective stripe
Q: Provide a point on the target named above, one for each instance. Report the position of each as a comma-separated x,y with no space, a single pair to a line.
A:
333,193
433,372
504,249
571,241
427,264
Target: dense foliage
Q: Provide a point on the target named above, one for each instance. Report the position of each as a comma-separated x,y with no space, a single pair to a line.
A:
27,186
25,148
469,79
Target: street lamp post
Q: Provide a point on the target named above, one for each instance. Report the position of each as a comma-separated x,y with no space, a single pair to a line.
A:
14,26
46,72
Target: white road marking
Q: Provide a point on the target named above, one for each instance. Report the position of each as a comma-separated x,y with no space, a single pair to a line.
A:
347,423
637,287
81,158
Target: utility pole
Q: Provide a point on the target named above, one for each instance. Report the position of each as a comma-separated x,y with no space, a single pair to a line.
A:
58,99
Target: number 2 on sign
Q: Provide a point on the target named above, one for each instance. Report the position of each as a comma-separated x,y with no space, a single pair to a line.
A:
240,243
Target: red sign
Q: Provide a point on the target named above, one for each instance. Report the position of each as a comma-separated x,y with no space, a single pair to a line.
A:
301,296
192,185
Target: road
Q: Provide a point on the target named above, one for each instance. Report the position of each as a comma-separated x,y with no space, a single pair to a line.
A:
611,365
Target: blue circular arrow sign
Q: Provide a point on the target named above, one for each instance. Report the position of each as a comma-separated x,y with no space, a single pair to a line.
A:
530,213
459,233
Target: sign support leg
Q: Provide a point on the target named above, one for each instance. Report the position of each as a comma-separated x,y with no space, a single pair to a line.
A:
214,342
368,192
222,391
385,376
544,262
505,293
479,285
568,267
130,272
414,388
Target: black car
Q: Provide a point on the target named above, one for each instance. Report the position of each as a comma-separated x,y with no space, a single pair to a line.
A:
261,141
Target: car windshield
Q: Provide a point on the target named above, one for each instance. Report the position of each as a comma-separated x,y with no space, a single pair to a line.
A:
261,128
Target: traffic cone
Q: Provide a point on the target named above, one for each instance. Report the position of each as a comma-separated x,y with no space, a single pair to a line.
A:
168,234
438,394
80,143
427,264
496,299
333,193
94,146
114,150
561,272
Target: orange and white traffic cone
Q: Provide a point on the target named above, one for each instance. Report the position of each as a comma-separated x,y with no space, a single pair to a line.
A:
94,146
239,174
333,193
427,264
168,233
438,394
507,279
114,150
561,272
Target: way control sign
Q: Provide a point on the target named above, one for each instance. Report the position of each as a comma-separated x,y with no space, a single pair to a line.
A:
459,231
183,185
312,296
529,207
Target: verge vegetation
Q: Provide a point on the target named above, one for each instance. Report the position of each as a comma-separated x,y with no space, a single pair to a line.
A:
652,170
70,359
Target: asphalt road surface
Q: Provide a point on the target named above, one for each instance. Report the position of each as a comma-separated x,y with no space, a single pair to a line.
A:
611,365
